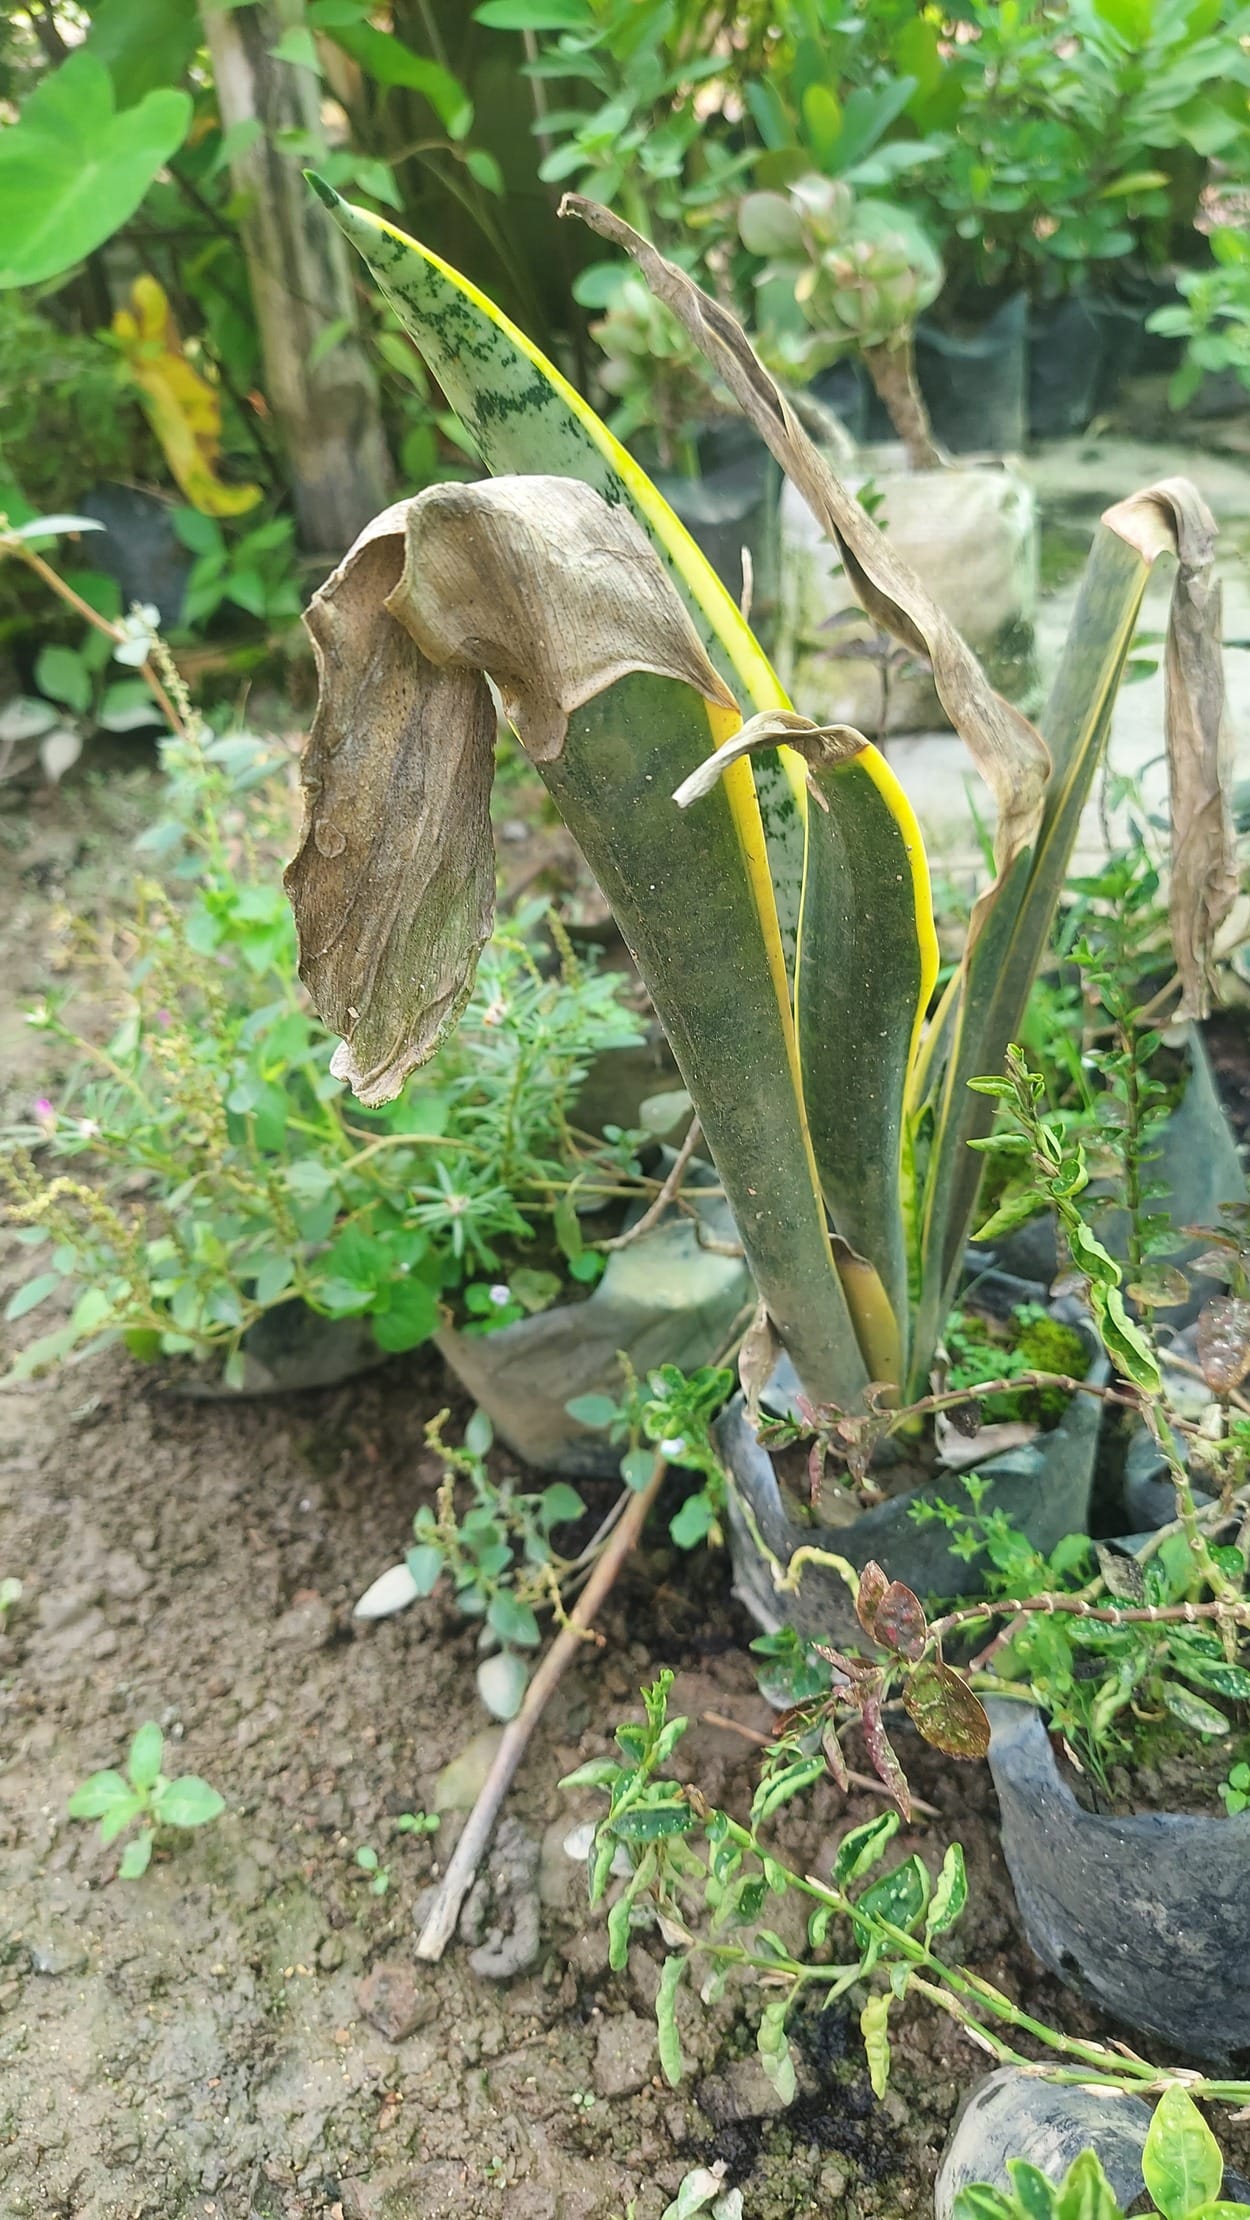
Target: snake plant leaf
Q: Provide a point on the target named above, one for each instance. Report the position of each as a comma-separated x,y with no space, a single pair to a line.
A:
524,417
1013,919
1009,753
393,884
531,580
867,962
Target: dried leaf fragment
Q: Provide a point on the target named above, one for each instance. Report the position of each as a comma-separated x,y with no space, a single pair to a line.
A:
1171,517
1008,751
393,884
540,582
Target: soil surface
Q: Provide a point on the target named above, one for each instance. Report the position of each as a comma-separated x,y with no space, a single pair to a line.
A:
245,2033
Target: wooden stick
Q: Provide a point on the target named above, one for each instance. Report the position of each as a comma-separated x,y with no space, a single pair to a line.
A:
857,1780
655,1210
462,1867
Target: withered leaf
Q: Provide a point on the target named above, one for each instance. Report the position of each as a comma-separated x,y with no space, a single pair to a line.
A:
873,1583
1224,1343
1203,885
393,885
1123,1577
884,1757
1008,751
942,1706
556,594
899,1622
757,1360
834,1758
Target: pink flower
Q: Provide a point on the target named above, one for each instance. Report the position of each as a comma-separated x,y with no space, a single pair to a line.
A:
45,1112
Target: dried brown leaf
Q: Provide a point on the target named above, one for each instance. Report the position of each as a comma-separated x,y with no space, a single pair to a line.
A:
1172,516
899,1623
393,885
873,1583
1008,751
555,593
757,1361
884,1758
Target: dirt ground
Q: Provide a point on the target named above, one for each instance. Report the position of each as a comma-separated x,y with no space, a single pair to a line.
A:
245,2034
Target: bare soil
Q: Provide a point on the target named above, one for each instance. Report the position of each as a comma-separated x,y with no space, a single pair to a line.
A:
245,2034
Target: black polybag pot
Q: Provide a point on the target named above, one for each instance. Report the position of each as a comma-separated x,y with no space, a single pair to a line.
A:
1147,1916
1067,339
973,381
1013,2114
289,1350
1043,1489
666,1299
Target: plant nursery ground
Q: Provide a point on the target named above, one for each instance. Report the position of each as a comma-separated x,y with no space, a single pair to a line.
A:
245,2034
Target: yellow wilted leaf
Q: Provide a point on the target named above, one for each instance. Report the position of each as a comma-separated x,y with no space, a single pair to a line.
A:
183,408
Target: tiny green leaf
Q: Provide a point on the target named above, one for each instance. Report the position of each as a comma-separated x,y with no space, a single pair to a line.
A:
671,2058
98,1795
144,1762
136,1857
862,1848
188,1802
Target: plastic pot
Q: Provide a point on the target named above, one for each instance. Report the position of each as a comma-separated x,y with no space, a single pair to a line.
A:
1043,1489
1066,343
289,1350
973,378
1014,2115
971,535
1147,1916
663,1300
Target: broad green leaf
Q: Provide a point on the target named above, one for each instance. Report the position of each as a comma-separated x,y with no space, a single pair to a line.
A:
411,1316
62,674
72,170
901,1897
144,1761
143,44
653,1822
592,1410
1191,1710
34,1292
389,62
189,1802
98,1795
1181,2163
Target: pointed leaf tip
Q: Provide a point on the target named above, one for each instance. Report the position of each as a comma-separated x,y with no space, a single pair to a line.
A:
325,193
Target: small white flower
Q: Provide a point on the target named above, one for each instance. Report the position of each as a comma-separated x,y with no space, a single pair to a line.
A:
500,1295
88,1128
140,627
675,1446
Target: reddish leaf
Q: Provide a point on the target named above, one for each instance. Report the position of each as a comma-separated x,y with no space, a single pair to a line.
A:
834,1758
873,1584
1224,1343
899,1623
943,1707
884,1760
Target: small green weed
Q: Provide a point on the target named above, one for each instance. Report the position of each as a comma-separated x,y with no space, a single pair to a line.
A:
1236,1790
672,1412
144,1794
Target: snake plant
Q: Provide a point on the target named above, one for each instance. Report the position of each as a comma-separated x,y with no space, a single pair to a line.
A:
769,876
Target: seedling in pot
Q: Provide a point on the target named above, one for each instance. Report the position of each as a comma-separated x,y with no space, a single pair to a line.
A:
1181,2164
144,1796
